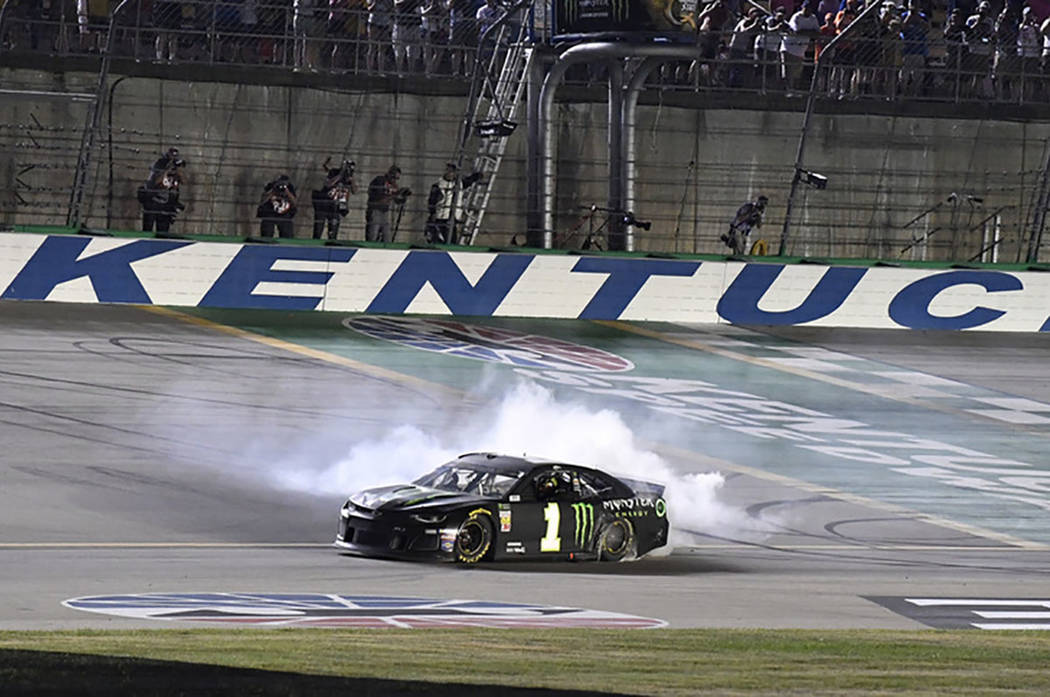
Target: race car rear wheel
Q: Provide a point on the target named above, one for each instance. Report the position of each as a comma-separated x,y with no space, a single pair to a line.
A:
616,540
474,539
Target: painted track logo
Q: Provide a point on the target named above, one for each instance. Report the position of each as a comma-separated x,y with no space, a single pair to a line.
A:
494,344
330,610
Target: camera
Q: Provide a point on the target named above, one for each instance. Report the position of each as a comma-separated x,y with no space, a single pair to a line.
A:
179,162
813,179
404,192
281,186
349,166
629,219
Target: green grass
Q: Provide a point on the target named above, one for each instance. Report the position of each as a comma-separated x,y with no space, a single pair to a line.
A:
652,662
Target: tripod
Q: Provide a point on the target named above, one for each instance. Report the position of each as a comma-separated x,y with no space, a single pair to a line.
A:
593,240
397,221
616,238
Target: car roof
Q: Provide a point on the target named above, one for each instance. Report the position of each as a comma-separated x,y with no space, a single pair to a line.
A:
507,464
512,465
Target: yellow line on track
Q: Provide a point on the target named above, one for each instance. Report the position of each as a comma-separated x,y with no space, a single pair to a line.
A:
317,354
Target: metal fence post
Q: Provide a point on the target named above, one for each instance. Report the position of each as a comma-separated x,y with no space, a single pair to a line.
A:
810,102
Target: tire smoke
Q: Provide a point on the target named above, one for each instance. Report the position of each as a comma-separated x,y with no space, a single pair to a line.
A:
530,421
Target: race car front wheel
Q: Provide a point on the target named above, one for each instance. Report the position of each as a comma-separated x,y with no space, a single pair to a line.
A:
474,539
616,540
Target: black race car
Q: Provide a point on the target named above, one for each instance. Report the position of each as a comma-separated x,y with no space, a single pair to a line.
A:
485,506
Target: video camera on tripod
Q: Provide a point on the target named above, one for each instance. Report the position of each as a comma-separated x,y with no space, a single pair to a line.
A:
629,219
595,233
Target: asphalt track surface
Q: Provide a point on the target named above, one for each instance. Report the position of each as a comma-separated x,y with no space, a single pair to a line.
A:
138,451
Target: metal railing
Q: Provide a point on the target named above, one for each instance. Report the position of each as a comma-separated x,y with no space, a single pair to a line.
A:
884,61
343,39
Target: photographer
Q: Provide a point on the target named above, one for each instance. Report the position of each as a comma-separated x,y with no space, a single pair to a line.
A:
277,208
332,200
167,161
383,193
159,195
445,205
748,217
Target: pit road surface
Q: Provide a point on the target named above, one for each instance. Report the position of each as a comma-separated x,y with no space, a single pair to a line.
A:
144,451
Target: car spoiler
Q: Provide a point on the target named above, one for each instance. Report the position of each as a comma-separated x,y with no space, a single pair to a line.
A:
643,488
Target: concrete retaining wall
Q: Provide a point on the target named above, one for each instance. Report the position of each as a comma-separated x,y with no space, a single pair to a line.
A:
883,171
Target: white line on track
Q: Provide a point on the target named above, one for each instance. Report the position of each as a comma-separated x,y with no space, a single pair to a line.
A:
158,545
677,550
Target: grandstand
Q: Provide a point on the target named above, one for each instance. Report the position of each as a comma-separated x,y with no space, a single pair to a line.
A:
944,159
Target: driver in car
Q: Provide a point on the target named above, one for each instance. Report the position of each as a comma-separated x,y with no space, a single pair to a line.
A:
552,485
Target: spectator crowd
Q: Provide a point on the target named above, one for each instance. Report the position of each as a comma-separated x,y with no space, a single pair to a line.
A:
965,49
969,49
376,36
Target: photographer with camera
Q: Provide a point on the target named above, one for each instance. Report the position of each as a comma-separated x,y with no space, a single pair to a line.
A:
383,193
332,200
445,205
747,218
277,208
159,195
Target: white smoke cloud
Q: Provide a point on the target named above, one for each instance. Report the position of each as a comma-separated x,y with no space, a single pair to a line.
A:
528,420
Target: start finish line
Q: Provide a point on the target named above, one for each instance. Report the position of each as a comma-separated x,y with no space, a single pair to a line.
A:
71,268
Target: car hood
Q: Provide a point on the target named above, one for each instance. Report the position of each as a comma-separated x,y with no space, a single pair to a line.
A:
411,496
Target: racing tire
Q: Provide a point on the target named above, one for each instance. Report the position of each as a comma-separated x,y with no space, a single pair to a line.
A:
474,539
616,541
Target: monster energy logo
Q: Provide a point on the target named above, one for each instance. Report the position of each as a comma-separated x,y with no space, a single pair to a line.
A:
619,10
584,514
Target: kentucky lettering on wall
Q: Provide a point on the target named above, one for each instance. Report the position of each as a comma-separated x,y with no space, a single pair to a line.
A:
392,282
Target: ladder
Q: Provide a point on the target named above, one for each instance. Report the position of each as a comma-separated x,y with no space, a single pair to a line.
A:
491,111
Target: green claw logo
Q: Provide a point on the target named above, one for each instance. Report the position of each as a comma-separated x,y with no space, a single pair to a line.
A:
572,9
584,514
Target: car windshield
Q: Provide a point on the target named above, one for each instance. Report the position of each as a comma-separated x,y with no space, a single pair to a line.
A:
468,480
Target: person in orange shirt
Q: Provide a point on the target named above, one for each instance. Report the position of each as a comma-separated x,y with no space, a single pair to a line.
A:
827,33
844,74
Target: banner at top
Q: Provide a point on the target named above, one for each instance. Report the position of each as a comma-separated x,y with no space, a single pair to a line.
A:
623,17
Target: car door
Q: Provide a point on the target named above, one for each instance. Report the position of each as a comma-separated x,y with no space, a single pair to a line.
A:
548,525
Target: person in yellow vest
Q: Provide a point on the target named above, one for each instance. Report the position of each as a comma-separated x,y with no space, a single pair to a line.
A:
748,217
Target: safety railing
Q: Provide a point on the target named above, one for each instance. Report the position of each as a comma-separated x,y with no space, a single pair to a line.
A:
894,58
886,59
431,38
